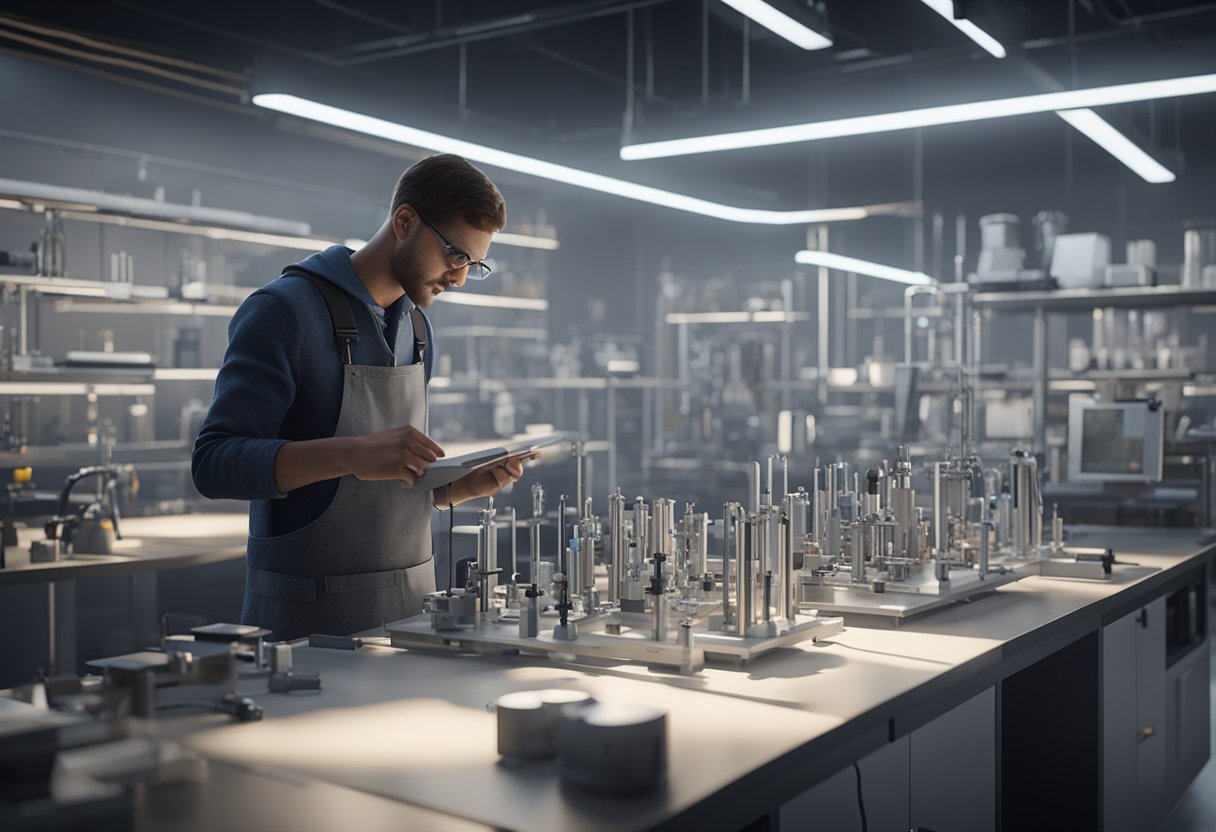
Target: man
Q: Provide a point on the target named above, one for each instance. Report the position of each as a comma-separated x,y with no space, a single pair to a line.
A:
320,416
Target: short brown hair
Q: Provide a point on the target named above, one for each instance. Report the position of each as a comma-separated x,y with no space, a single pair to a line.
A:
446,186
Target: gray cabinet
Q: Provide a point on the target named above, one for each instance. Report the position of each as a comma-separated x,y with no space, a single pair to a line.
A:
942,776
832,805
1134,724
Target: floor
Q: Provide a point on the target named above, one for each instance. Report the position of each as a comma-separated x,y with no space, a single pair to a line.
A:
1197,809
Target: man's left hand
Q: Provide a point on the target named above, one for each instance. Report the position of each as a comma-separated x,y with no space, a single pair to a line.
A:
488,481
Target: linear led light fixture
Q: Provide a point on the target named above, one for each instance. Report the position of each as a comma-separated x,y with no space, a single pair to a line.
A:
414,137
986,41
1098,129
926,117
839,262
780,23
1103,134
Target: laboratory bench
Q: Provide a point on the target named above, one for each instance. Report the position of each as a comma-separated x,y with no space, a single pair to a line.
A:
149,545
1049,703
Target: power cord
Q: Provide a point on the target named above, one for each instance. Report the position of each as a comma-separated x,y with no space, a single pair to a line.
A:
861,805
451,551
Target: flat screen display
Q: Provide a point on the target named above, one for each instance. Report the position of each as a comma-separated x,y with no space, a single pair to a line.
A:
1112,441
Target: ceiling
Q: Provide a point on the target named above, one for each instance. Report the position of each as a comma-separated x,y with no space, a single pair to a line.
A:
556,79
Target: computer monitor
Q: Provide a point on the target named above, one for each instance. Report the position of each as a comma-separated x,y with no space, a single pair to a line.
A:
1115,441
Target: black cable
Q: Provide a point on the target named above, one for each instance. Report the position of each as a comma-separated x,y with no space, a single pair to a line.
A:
861,806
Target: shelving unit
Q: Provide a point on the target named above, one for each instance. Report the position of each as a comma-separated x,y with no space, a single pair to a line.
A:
1059,301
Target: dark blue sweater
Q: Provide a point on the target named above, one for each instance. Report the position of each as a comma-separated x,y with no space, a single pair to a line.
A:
281,381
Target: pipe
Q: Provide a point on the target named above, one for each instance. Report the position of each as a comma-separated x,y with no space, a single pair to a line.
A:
534,530
728,513
616,530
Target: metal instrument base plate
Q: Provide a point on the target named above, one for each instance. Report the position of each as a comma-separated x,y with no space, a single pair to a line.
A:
633,644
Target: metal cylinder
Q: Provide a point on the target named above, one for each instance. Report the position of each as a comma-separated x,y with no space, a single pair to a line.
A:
1004,521
529,613
749,533
768,560
939,510
658,620
796,509
662,538
1198,252
728,526
836,478
985,533
574,566
632,579
587,532
872,499
617,542
696,542
641,531
684,635
1027,503
534,530
753,487
857,570
903,508
487,553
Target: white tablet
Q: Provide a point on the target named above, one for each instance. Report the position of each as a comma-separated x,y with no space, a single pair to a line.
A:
449,469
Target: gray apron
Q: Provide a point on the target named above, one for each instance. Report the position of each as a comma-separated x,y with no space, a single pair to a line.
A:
367,559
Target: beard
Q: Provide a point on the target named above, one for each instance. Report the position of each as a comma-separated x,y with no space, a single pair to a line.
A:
410,276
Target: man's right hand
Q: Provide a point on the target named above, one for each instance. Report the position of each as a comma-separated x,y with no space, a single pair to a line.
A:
394,454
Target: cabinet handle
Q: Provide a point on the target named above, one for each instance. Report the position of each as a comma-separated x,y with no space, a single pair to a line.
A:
1142,618
1145,733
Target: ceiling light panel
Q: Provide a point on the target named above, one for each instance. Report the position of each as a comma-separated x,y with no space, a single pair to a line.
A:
780,23
987,42
414,137
926,117
850,264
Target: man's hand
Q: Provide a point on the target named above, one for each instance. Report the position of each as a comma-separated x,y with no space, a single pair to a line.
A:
394,454
488,481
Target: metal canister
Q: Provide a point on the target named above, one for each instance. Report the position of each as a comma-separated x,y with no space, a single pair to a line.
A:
1027,503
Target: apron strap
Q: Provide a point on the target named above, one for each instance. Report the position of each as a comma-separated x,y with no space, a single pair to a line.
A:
346,332
419,322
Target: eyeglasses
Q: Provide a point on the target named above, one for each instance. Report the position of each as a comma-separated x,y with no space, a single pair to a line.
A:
458,257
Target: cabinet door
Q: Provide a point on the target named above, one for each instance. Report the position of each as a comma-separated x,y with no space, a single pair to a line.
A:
1188,711
1152,730
1119,726
954,768
832,805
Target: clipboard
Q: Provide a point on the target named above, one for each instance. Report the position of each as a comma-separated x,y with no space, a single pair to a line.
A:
444,471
